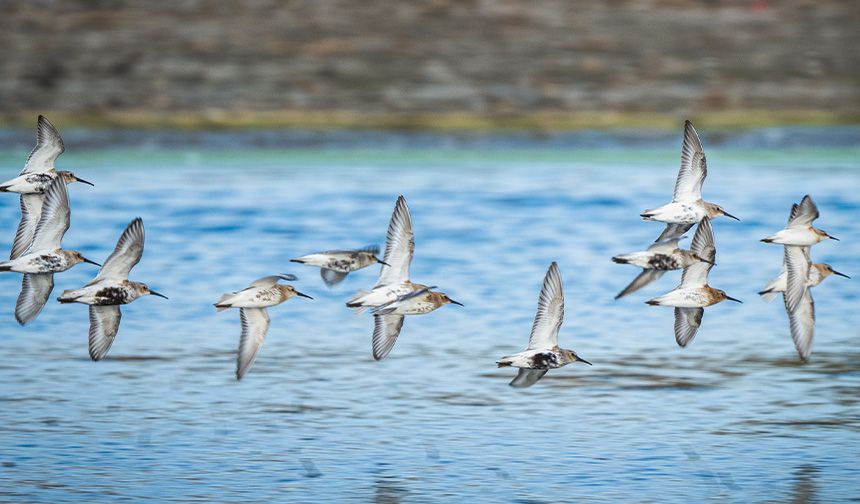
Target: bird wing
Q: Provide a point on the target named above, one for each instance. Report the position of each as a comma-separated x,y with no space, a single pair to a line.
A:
129,249
527,377
646,277
672,232
54,221
35,290
550,311
104,323
31,212
696,274
386,328
332,277
803,214
48,148
399,246
694,167
255,324
801,320
687,322
797,264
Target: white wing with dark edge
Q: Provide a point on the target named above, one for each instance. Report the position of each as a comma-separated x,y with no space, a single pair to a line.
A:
550,311
31,212
694,169
54,221
129,249
802,323
48,148
104,324
696,274
35,290
527,377
386,328
803,214
255,324
797,264
399,246
687,322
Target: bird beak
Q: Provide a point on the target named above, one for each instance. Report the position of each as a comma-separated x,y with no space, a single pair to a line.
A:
303,295
158,294
580,359
833,237
288,277
91,262
380,261
82,181
735,300
730,215
461,304
840,274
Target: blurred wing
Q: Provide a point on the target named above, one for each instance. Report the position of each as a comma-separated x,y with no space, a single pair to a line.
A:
48,148
687,322
802,324
31,212
550,311
694,169
386,328
399,246
264,282
527,377
696,274
400,301
35,290
54,221
673,232
104,323
127,253
332,277
646,277
797,266
255,324
803,214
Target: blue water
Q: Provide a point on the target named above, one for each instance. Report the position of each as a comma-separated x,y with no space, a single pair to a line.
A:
732,417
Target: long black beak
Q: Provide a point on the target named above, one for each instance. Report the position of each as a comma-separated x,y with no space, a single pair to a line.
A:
730,215
840,274
91,262
158,294
833,237
461,304
303,295
288,277
735,300
380,261
580,359
82,181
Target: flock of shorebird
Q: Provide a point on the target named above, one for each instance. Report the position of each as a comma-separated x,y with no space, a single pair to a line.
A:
37,253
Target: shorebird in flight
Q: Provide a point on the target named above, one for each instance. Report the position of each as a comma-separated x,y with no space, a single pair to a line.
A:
687,206
662,256
45,255
817,273
543,352
336,264
110,289
799,230
37,175
252,302
693,294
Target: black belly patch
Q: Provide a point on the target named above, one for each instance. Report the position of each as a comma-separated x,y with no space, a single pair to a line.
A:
51,262
662,262
111,296
544,360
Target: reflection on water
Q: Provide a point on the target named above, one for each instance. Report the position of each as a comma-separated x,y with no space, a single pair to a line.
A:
734,416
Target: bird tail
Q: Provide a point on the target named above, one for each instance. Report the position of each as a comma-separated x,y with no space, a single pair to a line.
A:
619,260
68,296
767,295
224,303
5,266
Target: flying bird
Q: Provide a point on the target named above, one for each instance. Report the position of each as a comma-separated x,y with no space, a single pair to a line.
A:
252,302
687,206
336,264
543,352
662,256
110,289
37,175
799,230
693,294
45,255
817,273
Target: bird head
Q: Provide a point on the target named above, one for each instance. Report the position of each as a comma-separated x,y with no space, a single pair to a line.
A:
69,177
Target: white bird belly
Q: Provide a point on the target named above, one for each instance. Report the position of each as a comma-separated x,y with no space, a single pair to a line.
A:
383,295
677,213
795,236
684,298
254,297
